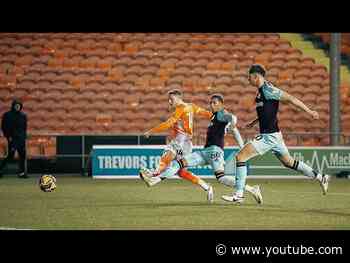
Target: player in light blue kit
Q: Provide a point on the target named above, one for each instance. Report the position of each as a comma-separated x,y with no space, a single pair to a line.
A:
270,137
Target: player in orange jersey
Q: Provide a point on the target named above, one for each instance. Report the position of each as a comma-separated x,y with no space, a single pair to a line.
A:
180,125
221,123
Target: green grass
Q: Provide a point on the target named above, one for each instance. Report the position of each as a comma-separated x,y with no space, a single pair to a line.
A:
84,203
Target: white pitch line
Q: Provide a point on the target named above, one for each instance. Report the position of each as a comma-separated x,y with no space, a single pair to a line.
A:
13,228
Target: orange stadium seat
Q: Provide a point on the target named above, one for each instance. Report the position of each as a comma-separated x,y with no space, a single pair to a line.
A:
49,147
3,148
34,149
214,65
179,45
181,70
187,62
169,63
105,70
191,54
24,61
208,54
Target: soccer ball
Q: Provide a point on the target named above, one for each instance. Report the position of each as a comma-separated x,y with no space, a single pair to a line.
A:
47,183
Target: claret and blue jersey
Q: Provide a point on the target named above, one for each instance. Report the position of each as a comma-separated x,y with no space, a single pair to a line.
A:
267,103
217,126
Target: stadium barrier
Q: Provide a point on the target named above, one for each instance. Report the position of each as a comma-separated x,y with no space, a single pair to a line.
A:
71,153
125,161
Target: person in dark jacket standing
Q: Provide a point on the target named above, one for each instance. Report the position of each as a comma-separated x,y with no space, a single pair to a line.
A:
14,128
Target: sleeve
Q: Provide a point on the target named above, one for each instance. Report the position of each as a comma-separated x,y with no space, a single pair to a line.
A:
237,136
5,126
225,116
202,112
168,123
271,92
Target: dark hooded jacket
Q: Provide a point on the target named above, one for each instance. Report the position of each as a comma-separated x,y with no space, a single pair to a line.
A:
14,123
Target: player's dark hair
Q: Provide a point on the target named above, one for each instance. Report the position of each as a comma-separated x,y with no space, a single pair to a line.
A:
175,92
218,97
257,68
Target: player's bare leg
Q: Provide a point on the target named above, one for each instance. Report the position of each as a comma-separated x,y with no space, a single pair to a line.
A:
164,162
300,166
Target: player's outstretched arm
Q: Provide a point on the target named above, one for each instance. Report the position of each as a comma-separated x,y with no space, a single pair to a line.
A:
299,104
238,137
202,112
232,119
165,125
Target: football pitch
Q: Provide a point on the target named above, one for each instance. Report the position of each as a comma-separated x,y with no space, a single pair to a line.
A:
85,203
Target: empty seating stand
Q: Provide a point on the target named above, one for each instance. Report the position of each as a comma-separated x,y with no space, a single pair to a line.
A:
92,81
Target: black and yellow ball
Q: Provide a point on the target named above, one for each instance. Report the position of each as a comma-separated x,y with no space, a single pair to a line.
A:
47,183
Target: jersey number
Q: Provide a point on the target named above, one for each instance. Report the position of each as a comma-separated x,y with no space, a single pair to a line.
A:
215,156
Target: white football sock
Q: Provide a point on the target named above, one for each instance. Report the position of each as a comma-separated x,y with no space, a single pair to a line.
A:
249,188
227,180
156,180
203,184
307,170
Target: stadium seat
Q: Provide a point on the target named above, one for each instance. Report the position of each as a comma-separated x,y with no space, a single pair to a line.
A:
169,63
206,54
303,73
227,66
84,46
71,63
186,62
24,61
179,45
55,63
8,80
181,70
291,140
181,55
3,148
223,80
320,72
196,63
131,48
104,63
49,147
153,45
214,65
34,149
325,141
307,60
